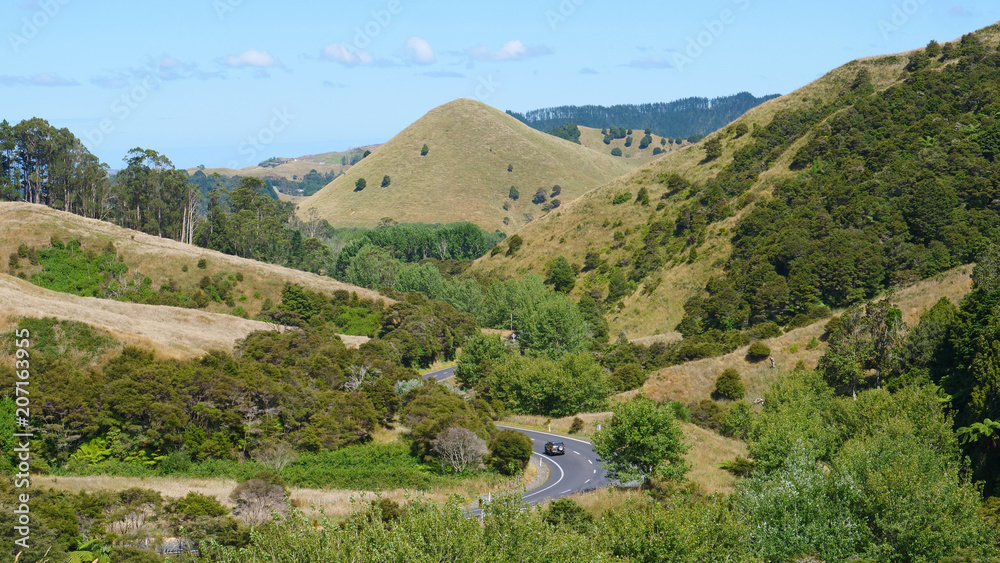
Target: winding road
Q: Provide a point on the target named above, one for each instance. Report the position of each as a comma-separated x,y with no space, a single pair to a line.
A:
576,471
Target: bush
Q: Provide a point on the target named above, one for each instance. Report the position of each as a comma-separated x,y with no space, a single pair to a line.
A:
741,129
616,151
386,180
360,184
643,197
730,386
513,193
569,513
202,264
510,452
621,198
764,330
540,196
577,425
513,244
424,150
758,351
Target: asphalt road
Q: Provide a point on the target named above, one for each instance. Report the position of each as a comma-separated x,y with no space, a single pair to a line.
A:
441,374
575,471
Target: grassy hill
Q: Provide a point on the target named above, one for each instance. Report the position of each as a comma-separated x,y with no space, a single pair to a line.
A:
476,153
621,232
291,168
164,261
593,139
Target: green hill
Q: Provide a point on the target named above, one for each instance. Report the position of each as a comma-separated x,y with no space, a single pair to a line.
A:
880,173
475,155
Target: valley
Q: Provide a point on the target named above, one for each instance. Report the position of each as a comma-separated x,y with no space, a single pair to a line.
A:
777,341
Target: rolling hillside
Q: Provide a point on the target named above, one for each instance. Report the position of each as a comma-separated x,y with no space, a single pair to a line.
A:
164,261
593,139
679,266
290,168
475,154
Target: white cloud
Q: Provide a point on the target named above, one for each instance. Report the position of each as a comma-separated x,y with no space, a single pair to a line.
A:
419,50
338,52
511,51
253,58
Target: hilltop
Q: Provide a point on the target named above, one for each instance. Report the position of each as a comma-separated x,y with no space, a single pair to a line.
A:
660,233
292,168
475,154
593,139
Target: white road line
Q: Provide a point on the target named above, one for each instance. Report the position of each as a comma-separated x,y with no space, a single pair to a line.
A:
587,481
577,453
590,461
546,433
595,472
561,475
566,491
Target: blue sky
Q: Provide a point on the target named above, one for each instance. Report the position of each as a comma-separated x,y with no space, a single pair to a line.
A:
233,82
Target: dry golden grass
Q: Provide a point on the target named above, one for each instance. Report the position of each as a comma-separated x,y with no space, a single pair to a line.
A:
600,501
464,177
173,332
558,425
594,140
708,450
337,503
163,260
694,381
292,169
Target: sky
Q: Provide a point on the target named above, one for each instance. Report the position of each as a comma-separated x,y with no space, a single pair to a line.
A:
234,82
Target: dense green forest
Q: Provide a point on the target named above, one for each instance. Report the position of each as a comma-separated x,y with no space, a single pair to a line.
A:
690,117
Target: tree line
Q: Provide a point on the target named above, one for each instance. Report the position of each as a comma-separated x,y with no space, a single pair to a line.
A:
682,118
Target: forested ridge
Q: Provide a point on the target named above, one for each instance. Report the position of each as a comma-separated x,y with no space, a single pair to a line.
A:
690,117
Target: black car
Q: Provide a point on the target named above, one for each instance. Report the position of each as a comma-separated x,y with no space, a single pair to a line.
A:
555,448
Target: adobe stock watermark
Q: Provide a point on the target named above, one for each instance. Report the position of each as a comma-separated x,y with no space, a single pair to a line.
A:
225,7
21,437
486,87
254,145
901,15
563,12
123,106
47,11
381,19
704,39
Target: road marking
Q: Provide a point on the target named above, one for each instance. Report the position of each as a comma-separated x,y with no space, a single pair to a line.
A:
561,475
595,472
540,432
590,461
566,491
587,481
577,453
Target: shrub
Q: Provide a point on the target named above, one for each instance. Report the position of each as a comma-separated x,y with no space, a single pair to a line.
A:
567,512
730,386
764,330
202,264
513,193
513,244
360,184
813,344
741,129
577,425
510,452
758,351
616,151
424,150
386,180
621,198
713,149
643,197
540,196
